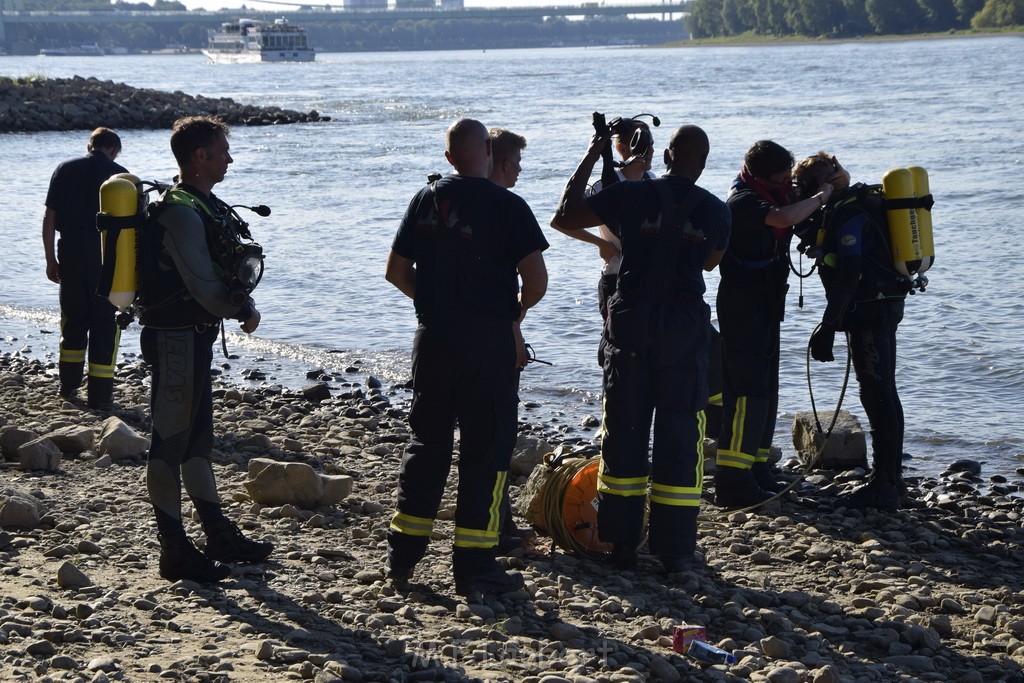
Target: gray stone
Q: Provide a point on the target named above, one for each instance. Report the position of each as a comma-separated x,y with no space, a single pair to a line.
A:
41,648
282,483
846,447
529,452
662,670
563,631
783,674
826,674
775,648
12,438
18,510
70,576
317,392
39,454
73,439
914,662
120,441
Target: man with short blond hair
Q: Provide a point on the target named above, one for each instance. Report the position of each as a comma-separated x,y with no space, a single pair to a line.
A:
507,150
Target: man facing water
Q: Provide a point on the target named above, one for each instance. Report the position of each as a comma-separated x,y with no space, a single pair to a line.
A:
459,252
86,319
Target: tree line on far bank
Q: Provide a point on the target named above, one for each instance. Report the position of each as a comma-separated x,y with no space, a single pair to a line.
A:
846,18
349,36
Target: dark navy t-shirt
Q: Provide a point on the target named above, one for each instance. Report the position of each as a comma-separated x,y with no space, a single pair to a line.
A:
466,243
632,210
74,193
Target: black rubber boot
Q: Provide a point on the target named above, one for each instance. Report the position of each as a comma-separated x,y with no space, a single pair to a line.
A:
762,472
180,559
736,488
399,576
878,493
225,543
623,556
476,571
677,565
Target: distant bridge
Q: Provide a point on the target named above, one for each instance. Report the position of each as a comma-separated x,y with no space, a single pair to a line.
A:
320,13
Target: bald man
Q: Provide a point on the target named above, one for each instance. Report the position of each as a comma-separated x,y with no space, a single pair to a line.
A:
656,358
460,251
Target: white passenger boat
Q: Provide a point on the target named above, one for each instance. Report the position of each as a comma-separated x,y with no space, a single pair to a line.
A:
252,40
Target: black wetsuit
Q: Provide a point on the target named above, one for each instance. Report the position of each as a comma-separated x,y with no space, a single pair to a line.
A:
656,360
183,303
87,319
866,298
751,305
466,236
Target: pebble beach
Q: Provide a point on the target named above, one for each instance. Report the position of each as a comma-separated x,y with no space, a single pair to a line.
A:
804,594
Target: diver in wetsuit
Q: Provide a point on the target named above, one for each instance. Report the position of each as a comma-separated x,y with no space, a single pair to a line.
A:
183,303
866,297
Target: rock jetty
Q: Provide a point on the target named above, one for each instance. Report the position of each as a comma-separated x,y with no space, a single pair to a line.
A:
808,595
41,104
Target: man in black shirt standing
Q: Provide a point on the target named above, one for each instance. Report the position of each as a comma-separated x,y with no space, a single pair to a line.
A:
459,252
87,319
656,357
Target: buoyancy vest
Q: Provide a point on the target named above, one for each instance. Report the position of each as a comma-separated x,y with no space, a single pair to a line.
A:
164,299
879,278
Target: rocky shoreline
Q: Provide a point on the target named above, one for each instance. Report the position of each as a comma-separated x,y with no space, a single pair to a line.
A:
932,593
35,104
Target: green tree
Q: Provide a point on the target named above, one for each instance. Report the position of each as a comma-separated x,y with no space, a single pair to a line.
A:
738,16
820,17
939,15
966,9
704,18
771,17
999,13
895,16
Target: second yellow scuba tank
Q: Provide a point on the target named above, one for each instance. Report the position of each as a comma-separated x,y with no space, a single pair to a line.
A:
910,223
119,276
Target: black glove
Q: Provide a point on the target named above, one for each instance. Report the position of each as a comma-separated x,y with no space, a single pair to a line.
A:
821,344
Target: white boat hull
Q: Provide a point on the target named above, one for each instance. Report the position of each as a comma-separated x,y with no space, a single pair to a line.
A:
218,57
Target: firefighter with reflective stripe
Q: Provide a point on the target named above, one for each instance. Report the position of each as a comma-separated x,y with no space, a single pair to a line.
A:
86,319
656,360
460,250
866,296
751,305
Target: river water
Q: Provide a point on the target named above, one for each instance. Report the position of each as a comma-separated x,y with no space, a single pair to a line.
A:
339,188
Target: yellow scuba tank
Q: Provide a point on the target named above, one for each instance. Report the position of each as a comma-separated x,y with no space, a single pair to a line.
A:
924,218
910,229
119,198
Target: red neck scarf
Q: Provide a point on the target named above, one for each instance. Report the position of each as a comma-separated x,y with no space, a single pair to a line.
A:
780,196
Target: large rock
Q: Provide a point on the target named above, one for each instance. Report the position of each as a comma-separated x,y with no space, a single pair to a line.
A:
120,441
39,454
73,439
531,499
527,454
18,510
282,483
12,439
845,449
